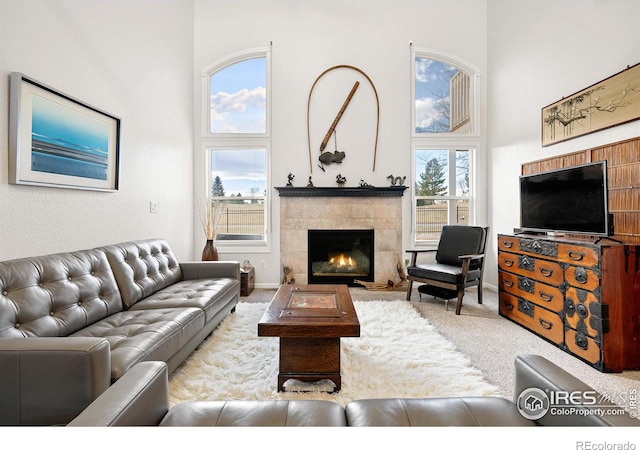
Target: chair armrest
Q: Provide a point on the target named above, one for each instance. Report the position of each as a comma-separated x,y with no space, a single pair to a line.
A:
471,257
534,371
195,270
414,252
139,397
49,381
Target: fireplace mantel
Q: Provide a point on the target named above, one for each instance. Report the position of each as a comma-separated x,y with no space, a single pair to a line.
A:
389,191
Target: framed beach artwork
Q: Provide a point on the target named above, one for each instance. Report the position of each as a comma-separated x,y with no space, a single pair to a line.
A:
610,102
58,141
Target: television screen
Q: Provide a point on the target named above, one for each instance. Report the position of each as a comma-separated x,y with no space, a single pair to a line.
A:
569,200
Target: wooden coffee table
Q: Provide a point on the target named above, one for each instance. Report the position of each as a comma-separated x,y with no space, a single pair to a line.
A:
310,320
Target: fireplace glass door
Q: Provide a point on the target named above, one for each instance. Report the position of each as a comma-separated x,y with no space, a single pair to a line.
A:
340,256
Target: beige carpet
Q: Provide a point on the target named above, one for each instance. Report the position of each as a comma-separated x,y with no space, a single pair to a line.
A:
399,354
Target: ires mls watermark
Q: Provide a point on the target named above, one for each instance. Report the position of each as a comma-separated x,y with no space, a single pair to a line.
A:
535,403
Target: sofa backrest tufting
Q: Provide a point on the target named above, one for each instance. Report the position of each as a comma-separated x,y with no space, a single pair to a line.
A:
56,295
142,268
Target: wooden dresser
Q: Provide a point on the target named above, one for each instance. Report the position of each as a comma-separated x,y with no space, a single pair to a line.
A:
574,293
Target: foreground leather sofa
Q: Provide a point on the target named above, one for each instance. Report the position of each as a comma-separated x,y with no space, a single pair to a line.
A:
141,397
86,318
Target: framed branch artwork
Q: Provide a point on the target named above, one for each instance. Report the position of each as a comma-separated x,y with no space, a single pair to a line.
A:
58,141
611,102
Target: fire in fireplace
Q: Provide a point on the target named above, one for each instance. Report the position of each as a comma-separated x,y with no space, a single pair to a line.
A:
340,256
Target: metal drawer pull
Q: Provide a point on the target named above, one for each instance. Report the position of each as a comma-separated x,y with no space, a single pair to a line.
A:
545,324
546,272
582,341
576,256
546,297
507,244
508,262
581,275
508,306
508,283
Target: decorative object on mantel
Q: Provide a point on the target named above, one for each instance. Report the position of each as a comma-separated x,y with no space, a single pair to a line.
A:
210,214
290,178
328,155
364,184
612,101
396,181
340,180
390,285
310,183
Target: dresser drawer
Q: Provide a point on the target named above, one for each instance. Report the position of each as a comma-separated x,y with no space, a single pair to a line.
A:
538,269
508,243
582,278
535,318
584,347
584,312
578,255
542,294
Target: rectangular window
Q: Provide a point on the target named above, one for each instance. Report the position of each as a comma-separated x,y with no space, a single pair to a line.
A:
238,193
442,191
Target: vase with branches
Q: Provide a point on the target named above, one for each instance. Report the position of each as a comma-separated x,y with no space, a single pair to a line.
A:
210,211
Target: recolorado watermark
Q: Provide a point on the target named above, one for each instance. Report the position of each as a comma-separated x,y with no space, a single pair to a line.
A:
535,403
590,445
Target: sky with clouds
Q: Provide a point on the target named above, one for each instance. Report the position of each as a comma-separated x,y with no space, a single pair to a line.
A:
238,105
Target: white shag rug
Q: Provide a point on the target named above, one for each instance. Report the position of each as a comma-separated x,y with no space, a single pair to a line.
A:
398,354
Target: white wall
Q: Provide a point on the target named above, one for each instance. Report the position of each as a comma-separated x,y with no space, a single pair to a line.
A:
141,60
540,52
134,60
307,38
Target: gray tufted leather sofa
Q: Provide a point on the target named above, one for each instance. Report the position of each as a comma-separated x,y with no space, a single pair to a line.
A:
85,318
141,398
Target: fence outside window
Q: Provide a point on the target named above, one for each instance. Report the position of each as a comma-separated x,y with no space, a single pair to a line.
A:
242,220
431,218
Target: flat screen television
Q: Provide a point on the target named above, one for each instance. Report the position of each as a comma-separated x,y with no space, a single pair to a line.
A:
571,200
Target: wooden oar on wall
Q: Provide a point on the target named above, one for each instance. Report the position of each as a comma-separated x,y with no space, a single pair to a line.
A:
332,128
375,92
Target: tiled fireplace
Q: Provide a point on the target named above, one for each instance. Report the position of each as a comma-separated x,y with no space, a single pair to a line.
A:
377,209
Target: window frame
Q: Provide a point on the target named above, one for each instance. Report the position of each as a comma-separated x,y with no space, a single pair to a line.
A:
225,141
221,64
470,141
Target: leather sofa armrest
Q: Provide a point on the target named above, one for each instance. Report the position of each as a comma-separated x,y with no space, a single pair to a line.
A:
534,371
140,397
49,381
195,270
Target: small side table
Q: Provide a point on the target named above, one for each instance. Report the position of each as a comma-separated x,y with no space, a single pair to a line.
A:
247,281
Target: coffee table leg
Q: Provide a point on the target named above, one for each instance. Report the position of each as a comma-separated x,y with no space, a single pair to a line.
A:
310,359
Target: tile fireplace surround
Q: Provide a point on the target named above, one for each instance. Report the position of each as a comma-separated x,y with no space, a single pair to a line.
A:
380,209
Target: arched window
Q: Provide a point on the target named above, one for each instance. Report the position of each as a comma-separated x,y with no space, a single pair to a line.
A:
445,139
236,141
